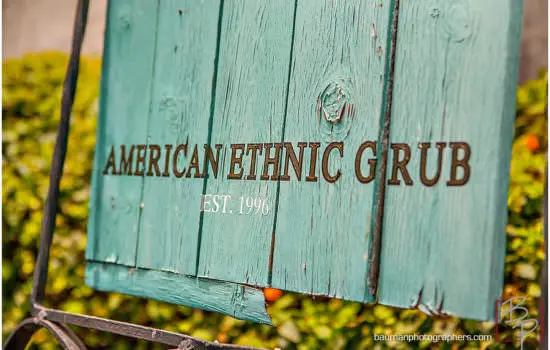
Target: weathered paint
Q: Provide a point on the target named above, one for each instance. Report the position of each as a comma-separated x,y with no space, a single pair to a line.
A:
322,229
443,247
249,107
179,113
239,301
229,72
125,95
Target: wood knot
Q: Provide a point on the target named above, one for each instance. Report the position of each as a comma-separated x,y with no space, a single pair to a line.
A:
171,109
459,21
333,102
124,21
124,18
335,110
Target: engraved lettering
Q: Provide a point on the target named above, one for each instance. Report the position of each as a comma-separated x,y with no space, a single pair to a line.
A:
271,161
154,155
236,161
400,165
141,150
424,147
296,161
254,147
312,177
326,155
181,147
372,162
168,148
126,163
463,163
210,159
110,163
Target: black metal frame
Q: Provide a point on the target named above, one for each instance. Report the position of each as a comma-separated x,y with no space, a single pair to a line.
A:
56,320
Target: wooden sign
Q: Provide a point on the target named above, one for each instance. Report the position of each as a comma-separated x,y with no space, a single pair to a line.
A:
356,149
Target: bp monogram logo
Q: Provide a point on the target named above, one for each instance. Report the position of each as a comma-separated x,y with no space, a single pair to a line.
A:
514,313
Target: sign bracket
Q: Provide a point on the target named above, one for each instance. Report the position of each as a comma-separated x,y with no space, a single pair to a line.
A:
374,255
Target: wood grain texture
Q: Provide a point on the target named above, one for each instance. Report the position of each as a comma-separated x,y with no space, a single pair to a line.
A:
125,94
443,247
249,108
322,229
242,72
238,301
182,88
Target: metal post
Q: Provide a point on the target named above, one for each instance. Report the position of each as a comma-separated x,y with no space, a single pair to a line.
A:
50,209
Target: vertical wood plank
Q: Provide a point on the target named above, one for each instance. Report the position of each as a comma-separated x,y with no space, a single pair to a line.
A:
125,94
322,230
250,98
182,88
443,246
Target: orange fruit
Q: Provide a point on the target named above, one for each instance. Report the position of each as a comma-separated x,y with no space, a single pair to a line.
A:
272,294
532,142
222,337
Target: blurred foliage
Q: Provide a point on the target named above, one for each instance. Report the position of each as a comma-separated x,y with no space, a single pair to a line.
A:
30,113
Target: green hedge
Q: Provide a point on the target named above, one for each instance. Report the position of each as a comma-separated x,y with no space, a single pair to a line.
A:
31,101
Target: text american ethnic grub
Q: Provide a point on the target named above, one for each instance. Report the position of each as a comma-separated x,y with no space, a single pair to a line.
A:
310,162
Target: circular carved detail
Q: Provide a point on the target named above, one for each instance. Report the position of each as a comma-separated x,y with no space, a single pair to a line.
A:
336,110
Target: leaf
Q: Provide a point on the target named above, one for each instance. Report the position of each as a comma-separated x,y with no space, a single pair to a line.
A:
290,332
526,271
323,332
533,290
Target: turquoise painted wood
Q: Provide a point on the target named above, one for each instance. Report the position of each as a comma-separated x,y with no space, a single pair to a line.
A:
322,231
443,246
250,99
228,298
196,86
125,94
185,57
